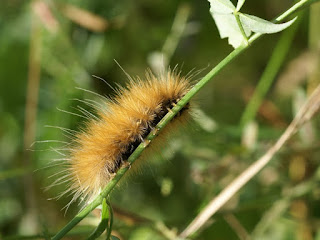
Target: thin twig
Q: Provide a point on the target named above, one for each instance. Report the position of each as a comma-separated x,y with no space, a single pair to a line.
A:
159,61
178,27
236,226
305,114
85,18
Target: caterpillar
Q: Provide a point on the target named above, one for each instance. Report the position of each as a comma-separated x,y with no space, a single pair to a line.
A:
107,140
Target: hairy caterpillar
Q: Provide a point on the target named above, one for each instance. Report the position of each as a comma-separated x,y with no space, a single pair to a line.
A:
122,123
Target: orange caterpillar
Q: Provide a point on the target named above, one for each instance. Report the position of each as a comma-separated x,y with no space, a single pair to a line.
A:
100,150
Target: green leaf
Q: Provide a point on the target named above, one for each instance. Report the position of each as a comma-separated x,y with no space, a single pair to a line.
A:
104,211
259,25
221,6
223,13
105,216
240,4
228,28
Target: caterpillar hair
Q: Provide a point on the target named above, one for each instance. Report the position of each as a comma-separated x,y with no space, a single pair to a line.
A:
108,138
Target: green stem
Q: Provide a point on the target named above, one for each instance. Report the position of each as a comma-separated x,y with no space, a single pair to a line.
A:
239,5
269,74
236,14
314,36
167,118
105,216
110,222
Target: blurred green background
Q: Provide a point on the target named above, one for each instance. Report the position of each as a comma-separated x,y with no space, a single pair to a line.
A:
49,48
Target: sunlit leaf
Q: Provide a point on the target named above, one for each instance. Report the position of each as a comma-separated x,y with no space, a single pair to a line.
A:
221,6
240,4
259,25
223,12
228,28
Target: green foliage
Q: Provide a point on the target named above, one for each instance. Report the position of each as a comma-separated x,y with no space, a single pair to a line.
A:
279,203
237,26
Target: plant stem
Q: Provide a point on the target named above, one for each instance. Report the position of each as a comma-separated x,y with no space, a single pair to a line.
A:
110,222
306,112
167,118
164,121
240,4
314,36
269,74
105,216
236,15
